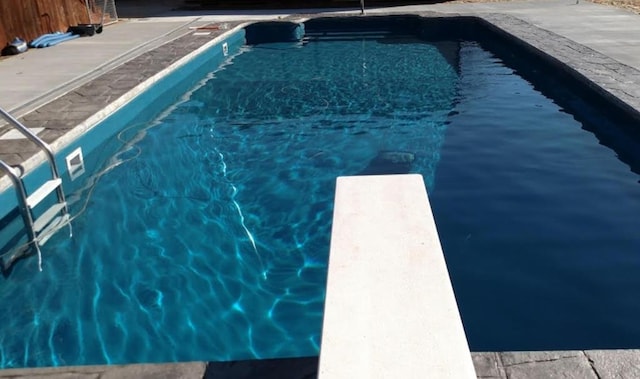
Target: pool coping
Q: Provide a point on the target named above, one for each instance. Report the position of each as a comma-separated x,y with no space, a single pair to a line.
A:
577,364
69,114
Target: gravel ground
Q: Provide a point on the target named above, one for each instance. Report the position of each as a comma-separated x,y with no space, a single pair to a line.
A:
633,5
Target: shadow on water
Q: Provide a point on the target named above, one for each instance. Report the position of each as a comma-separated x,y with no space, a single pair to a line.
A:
170,8
616,128
284,368
389,163
548,261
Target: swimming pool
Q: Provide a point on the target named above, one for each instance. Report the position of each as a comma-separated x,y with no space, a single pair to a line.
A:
204,233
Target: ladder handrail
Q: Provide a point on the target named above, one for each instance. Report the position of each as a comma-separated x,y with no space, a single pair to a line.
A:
43,145
22,198
33,138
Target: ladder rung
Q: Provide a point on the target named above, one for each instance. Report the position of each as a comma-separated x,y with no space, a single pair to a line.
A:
42,192
53,227
47,216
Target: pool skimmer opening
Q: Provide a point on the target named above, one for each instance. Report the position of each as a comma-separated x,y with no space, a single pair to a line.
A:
75,164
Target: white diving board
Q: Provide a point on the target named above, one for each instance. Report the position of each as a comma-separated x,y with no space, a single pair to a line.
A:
390,310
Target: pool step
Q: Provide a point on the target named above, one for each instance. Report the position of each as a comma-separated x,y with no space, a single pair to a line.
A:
55,225
350,36
46,218
39,231
43,191
347,33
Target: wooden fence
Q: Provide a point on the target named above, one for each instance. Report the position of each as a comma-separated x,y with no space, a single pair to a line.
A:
29,19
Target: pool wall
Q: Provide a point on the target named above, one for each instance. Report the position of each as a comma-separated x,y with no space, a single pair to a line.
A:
274,31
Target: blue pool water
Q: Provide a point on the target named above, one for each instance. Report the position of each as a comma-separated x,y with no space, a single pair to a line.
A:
538,213
204,233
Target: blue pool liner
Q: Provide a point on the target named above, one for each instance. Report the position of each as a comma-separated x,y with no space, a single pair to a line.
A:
41,43
42,38
62,39
54,40
274,31
51,39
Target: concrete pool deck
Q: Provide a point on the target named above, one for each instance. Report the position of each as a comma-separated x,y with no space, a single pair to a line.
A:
59,88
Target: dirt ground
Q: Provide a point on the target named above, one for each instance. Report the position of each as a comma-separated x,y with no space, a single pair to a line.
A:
633,5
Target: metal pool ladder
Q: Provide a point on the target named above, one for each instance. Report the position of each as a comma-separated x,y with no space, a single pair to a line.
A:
40,229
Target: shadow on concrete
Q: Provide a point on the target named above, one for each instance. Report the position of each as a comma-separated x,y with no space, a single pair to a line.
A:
169,8
288,4
282,368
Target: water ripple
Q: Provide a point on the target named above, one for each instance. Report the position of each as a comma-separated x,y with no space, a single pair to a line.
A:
207,235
